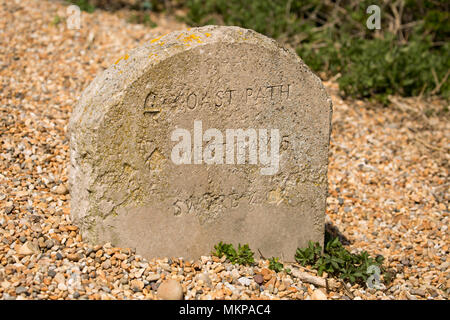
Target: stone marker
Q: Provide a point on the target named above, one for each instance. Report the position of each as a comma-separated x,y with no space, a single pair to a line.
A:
200,136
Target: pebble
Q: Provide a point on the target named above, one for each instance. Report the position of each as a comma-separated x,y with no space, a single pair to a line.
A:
266,273
418,292
153,277
9,209
106,264
166,267
62,286
49,244
318,295
28,248
244,281
137,285
170,290
259,279
20,290
154,286
235,274
205,278
444,266
61,189
59,278
405,261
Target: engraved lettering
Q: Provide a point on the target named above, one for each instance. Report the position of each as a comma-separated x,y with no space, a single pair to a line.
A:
259,95
179,95
231,93
192,100
149,104
220,97
206,99
203,102
271,91
249,92
284,91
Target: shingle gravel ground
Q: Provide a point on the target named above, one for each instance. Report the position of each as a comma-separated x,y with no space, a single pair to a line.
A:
388,180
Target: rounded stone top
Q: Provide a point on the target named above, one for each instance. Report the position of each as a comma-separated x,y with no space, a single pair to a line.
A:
129,67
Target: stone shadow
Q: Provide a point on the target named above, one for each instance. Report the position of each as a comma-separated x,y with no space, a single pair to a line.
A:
332,231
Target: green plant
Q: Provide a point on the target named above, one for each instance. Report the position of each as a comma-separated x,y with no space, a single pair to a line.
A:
378,68
85,5
142,18
224,249
309,255
275,265
243,255
339,262
56,20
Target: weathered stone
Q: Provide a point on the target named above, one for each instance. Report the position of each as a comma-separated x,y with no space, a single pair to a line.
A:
28,248
59,278
153,277
205,278
131,186
318,295
170,290
266,274
61,189
137,285
259,279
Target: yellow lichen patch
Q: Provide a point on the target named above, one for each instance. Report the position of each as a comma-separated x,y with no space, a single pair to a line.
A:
191,38
207,34
156,39
125,57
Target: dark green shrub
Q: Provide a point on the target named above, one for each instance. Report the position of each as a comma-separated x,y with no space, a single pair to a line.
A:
378,67
85,5
142,18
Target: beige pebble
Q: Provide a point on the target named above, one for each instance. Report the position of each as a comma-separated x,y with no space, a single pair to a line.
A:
59,278
170,290
61,189
28,248
137,285
318,295
153,277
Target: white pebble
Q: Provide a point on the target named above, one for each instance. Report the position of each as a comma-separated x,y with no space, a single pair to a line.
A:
244,281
